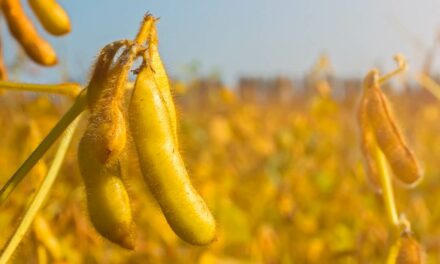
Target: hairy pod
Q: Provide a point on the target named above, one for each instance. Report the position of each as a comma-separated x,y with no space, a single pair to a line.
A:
109,131
388,136
406,250
24,32
162,165
106,88
101,149
52,16
101,81
100,152
368,146
410,251
107,199
161,77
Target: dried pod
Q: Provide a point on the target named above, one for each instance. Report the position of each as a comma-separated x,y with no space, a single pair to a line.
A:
109,129
162,165
407,250
368,146
410,251
52,16
388,136
100,83
24,32
104,95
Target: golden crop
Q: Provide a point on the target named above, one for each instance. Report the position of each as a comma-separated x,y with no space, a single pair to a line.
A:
244,181
53,18
24,32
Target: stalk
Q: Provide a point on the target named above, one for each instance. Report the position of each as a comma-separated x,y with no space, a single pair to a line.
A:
78,107
69,89
40,195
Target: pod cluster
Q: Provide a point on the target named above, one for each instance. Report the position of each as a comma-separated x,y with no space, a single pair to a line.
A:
152,123
52,17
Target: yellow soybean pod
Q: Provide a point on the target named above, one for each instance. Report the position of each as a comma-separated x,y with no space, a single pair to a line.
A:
160,75
162,165
52,16
388,136
24,32
107,199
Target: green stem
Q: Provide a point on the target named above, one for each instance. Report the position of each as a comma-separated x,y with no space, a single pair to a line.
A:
69,89
40,195
387,189
78,107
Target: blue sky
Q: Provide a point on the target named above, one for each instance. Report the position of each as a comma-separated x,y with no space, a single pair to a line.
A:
254,37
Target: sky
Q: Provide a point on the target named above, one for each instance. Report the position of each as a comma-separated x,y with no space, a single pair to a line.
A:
251,37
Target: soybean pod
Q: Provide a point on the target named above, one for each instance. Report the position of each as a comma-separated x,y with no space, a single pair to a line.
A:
102,148
107,199
52,16
162,164
160,75
99,81
387,134
24,32
368,146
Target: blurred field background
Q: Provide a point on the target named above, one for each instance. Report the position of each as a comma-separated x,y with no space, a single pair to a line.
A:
277,161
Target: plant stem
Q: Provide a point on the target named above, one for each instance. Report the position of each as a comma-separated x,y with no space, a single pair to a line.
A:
401,67
78,107
393,252
69,89
387,189
429,84
40,195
